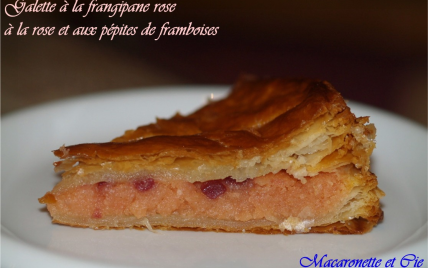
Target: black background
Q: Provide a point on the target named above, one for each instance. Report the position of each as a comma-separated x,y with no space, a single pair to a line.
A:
375,53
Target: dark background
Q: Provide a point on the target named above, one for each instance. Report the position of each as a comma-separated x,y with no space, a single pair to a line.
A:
375,53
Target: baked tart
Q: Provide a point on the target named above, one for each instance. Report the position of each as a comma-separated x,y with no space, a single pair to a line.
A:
274,156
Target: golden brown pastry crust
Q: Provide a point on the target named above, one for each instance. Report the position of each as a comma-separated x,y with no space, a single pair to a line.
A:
264,126
256,114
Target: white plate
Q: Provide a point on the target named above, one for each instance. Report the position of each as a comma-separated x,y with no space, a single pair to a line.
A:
30,240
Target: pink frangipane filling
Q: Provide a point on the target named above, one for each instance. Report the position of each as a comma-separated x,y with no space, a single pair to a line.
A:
272,197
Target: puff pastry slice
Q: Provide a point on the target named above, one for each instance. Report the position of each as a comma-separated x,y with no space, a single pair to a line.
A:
274,156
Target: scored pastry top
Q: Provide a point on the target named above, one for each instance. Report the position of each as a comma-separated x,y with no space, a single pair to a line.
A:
262,126
266,108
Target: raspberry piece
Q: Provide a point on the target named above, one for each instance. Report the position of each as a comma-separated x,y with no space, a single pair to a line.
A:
143,185
101,185
213,189
97,214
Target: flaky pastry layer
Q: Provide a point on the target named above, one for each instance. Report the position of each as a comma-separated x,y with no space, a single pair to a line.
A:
263,126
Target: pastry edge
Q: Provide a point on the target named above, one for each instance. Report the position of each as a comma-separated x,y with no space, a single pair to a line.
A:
353,226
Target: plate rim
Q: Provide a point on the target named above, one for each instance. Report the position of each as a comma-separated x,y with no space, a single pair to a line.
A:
156,90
